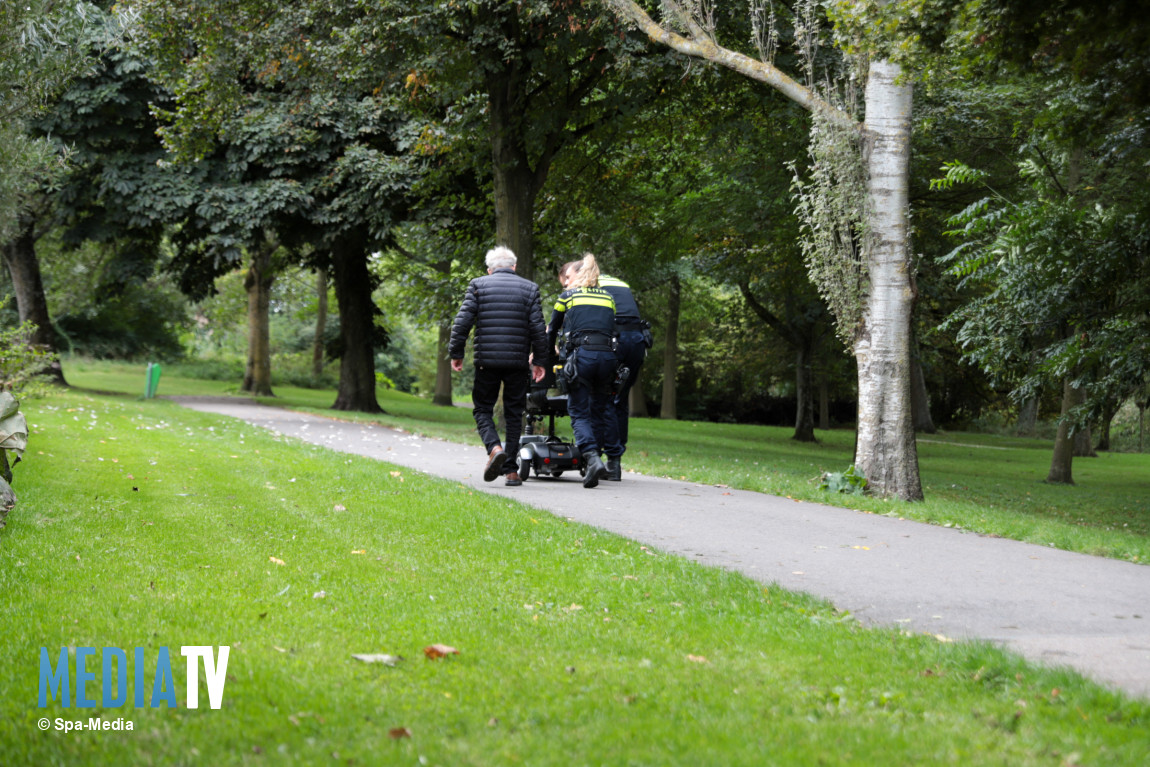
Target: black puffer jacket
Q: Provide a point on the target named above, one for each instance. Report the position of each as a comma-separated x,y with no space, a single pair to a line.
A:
508,318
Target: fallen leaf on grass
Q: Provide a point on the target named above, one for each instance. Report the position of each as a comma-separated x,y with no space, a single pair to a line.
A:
276,561
319,595
436,651
339,507
387,660
359,551
399,732
697,659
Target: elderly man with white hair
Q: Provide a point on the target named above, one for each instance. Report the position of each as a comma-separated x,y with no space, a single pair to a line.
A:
507,314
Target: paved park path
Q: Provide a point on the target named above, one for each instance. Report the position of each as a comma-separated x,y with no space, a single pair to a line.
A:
1052,606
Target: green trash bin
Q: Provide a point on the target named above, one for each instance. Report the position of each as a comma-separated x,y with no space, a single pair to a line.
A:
153,380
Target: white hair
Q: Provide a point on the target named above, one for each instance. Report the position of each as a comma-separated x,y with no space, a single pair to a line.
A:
500,257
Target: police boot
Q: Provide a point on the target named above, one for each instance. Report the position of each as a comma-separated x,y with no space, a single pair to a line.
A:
595,469
614,469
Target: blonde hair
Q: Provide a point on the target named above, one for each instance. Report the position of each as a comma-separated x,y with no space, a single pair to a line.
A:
586,274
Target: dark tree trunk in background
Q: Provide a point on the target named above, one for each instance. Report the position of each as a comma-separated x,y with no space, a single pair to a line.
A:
824,405
668,409
919,399
317,348
28,285
357,321
258,283
516,183
804,393
442,368
1104,426
1028,418
637,402
1084,443
1062,461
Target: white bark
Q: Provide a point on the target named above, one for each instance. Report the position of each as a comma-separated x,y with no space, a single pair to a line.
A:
886,451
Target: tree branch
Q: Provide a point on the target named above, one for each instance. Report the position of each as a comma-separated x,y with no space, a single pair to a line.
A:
703,48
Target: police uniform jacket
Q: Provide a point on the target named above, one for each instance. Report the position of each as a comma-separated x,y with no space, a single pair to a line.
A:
582,311
507,314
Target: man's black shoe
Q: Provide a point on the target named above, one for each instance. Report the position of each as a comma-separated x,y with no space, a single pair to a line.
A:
495,463
595,469
614,469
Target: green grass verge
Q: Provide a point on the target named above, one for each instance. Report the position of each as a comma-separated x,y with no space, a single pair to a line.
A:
141,524
984,483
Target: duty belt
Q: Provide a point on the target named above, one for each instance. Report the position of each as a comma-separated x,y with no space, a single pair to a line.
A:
640,325
593,341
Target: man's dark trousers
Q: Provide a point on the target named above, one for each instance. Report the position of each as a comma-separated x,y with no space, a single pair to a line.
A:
485,392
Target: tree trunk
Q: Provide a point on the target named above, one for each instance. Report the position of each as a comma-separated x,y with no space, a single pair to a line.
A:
27,284
804,393
668,409
919,399
1104,426
443,368
886,453
824,405
1061,463
317,347
516,184
258,283
357,321
1028,418
637,402
1084,443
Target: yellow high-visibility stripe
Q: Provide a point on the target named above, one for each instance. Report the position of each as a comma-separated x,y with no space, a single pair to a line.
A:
614,282
586,297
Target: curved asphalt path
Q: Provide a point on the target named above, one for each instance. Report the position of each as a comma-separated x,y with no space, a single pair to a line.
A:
1052,606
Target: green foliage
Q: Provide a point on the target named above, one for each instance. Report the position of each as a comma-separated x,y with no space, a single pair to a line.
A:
23,365
850,482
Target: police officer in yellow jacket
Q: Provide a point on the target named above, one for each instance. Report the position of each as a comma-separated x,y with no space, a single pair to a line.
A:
587,313
634,339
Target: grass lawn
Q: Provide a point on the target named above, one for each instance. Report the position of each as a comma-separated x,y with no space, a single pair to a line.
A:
143,524
989,484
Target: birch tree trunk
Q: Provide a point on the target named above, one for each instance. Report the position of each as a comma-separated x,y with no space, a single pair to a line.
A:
668,409
886,452
885,448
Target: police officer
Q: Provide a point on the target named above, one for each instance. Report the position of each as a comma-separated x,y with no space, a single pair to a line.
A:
634,339
587,313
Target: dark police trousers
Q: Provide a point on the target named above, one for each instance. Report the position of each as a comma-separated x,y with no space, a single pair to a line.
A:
485,392
632,352
589,403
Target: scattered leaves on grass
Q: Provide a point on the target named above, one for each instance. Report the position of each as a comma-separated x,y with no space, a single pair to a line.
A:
395,733
697,659
437,651
385,659
276,561
398,475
